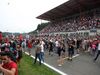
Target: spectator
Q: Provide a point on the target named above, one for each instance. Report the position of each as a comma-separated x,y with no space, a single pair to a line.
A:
9,67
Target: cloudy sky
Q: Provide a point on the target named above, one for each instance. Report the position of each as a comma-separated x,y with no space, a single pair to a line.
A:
20,15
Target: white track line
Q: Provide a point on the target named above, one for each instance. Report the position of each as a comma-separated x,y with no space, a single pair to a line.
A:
75,55
60,72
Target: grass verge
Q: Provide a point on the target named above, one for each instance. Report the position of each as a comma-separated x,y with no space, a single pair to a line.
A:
26,67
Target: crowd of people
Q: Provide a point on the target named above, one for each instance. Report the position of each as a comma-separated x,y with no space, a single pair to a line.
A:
10,54
76,23
67,47
11,49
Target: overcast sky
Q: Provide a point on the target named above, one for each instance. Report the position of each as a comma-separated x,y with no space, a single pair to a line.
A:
20,15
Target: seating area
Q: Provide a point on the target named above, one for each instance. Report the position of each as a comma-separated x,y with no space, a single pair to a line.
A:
85,21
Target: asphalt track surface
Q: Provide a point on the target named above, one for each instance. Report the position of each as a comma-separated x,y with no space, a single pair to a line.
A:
81,64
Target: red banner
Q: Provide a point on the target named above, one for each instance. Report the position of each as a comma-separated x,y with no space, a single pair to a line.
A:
0,35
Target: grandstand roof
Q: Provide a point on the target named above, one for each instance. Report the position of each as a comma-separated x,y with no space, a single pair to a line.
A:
69,8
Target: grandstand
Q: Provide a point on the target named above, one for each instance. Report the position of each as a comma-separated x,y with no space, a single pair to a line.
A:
81,17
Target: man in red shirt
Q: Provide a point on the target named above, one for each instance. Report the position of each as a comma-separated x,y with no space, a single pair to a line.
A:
8,66
29,47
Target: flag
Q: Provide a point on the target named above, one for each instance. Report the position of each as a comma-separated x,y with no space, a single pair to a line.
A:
0,36
20,37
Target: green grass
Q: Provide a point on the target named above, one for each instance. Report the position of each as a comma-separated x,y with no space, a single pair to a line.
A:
27,67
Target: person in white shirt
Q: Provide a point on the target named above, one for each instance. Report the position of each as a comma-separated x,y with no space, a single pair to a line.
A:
57,45
42,50
23,45
98,53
